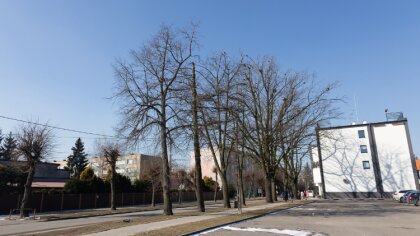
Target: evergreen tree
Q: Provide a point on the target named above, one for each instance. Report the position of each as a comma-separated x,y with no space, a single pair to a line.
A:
77,162
8,149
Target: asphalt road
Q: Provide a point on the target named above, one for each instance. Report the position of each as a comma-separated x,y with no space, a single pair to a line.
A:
334,217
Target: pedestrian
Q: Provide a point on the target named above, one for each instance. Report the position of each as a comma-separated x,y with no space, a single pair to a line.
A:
285,196
305,195
291,196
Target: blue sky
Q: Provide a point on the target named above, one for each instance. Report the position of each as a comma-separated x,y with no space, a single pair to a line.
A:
56,56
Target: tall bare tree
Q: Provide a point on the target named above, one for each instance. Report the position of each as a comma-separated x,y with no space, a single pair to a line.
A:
220,76
148,88
196,140
34,145
282,112
111,152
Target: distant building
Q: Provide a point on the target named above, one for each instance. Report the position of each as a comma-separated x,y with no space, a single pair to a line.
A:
62,164
418,168
47,175
132,165
364,160
208,165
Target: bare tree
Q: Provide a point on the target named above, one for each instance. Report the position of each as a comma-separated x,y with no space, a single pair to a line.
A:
34,144
153,174
197,155
148,88
282,112
217,113
181,176
111,152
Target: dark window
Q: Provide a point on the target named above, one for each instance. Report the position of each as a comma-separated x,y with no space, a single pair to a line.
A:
361,134
363,149
366,165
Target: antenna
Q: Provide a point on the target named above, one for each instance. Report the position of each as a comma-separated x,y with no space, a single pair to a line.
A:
355,108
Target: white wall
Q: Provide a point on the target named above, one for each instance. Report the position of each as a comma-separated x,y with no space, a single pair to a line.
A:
342,161
394,157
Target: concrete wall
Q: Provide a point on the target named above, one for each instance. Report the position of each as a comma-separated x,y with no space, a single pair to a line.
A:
394,157
389,155
342,161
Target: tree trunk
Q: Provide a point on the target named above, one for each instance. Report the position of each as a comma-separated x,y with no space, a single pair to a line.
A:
273,189
225,190
167,204
113,187
241,185
295,186
28,191
198,177
153,196
215,189
267,187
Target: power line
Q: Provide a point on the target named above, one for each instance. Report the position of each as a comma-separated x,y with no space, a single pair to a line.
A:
70,130
56,127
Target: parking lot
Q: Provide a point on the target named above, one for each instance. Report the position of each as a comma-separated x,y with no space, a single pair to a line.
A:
334,217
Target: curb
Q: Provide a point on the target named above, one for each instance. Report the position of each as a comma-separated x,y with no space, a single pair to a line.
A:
239,221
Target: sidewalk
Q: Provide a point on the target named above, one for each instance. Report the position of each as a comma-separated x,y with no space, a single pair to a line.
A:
143,228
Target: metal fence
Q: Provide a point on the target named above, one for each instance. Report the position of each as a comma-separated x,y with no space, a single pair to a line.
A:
43,202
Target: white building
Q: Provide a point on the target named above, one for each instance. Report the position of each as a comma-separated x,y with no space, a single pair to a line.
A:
364,160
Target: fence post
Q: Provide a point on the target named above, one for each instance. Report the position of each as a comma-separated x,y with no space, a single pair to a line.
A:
80,201
62,201
42,202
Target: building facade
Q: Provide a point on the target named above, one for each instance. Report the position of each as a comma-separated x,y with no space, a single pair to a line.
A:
364,160
208,166
133,165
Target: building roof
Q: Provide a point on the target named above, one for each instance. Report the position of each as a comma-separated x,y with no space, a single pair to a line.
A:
37,184
361,125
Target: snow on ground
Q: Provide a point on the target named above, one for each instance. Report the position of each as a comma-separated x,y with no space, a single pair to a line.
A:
273,231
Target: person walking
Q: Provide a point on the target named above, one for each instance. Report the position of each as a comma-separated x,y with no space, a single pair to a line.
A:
305,195
285,196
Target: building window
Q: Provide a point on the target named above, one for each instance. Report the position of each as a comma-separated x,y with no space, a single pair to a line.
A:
361,134
366,165
363,149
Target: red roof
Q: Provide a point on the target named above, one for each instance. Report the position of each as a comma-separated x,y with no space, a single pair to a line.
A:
48,184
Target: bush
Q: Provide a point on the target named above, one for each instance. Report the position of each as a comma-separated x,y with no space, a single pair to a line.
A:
141,185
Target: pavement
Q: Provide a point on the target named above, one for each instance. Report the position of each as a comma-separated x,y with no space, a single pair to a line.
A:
29,227
143,228
21,227
333,217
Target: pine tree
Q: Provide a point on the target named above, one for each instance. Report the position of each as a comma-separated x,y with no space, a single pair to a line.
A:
8,148
77,162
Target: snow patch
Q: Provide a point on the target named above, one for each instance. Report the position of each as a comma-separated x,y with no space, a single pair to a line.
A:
273,231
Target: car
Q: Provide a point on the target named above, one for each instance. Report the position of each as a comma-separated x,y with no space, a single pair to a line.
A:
398,195
407,197
412,197
310,193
